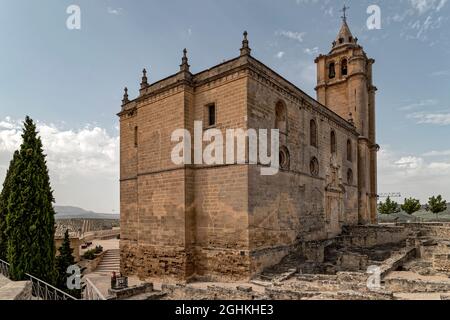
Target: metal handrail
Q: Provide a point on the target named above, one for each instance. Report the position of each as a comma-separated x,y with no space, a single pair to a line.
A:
91,292
47,290
4,268
40,289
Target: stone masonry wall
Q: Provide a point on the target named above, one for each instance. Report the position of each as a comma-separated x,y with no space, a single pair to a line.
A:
291,205
228,221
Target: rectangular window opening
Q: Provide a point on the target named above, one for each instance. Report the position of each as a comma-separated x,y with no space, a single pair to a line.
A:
211,115
135,137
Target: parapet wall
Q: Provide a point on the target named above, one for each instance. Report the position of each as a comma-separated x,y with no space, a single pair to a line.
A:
433,230
372,236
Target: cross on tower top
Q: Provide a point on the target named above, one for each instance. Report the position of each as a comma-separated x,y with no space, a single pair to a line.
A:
344,10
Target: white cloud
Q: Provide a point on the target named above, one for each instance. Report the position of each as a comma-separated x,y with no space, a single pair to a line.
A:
280,54
422,19
306,1
440,73
441,119
409,162
435,153
413,175
83,163
421,28
419,105
329,12
311,51
115,11
298,36
423,6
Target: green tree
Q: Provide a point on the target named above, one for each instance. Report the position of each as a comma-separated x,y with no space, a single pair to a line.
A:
437,205
411,205
63,262
4,206
30,215
388,207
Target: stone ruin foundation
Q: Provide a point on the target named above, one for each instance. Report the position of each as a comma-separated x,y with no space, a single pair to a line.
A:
411,261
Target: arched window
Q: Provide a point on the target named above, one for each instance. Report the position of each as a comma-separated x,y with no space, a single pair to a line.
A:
313,133
333,142
344,67
331,70
349,151
280,117
350,176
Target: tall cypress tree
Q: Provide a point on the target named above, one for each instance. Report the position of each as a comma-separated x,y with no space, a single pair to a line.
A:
64,261
30,215
4,206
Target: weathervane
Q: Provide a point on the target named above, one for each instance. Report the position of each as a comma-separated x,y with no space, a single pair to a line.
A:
344,10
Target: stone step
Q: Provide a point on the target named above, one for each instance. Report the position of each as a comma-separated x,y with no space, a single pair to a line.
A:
107,270
111,259
108,264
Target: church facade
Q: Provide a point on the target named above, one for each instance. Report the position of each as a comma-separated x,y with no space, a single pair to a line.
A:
229,221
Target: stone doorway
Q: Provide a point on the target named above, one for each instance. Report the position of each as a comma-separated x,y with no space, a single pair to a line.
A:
333,210
334,197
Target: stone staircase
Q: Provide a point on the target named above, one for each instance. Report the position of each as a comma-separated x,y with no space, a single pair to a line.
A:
109,263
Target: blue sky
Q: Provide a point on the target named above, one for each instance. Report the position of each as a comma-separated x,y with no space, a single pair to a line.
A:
71,81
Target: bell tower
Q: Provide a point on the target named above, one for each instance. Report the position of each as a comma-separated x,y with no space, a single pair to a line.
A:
345,85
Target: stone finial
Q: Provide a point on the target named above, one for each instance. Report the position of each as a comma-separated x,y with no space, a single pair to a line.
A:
350,119
125,96
245,50
144,82
184,66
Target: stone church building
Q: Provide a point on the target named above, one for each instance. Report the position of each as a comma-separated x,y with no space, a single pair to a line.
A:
229,221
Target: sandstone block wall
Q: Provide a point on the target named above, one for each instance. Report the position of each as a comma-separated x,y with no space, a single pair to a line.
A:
228,221
292,205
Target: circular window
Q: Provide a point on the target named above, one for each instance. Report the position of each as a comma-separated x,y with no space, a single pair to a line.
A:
350,176
284,158
314,167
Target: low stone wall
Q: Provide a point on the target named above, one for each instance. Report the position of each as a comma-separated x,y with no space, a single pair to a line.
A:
261,259
282,294
101,234
352,261
416,286
15,290
91,265
186,292
441,262
434,230
120,294
372,236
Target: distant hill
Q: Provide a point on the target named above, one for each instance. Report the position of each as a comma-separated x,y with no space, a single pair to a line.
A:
68,212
